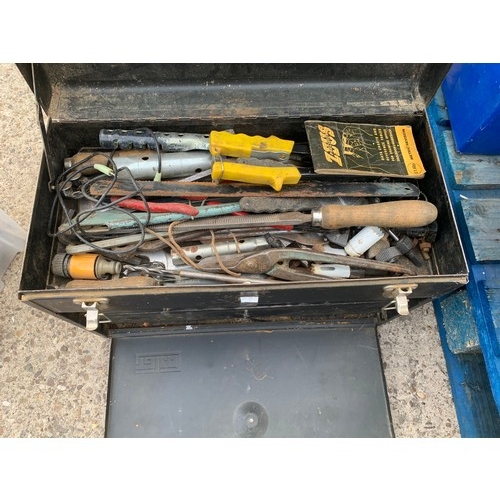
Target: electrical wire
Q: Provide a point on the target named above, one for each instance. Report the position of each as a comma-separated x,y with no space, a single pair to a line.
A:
74,222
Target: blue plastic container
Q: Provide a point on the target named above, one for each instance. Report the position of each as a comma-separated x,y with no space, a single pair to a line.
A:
472,94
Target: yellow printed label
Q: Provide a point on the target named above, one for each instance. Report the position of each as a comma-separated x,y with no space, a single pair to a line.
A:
330,146
411,158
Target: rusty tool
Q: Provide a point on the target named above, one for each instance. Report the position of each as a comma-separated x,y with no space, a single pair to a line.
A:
198,252
118,219
273,204
310,189
276,262
394,214
160,273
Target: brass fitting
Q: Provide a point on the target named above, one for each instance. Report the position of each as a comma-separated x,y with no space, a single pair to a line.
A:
85,266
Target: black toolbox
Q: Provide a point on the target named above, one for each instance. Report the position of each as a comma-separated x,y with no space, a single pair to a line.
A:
230,359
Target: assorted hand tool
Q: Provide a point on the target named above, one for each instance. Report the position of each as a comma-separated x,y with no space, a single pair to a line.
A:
277,262
248,217
219,143
309,189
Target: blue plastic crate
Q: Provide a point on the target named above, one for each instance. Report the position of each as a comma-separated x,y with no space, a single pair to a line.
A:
472,94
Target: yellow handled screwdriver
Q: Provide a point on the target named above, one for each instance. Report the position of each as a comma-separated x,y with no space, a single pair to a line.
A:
219,143
252,174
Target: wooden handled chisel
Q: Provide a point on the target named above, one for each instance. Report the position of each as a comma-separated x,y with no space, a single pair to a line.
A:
393,214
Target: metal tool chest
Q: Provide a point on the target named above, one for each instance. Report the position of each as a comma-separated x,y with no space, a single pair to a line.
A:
281,359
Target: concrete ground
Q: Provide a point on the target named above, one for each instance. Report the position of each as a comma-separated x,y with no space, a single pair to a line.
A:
53,377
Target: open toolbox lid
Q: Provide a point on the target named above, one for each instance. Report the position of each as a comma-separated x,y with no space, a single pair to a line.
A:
122,92
303,380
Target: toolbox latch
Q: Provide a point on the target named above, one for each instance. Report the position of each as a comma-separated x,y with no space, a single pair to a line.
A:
399,295
92,315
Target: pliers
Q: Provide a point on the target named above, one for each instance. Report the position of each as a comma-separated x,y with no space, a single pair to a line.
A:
276,262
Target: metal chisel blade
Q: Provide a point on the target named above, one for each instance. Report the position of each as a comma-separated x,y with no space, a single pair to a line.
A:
235,221
274,204
312,189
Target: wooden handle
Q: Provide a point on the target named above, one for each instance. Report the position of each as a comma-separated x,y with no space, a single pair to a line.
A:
125,282
406,213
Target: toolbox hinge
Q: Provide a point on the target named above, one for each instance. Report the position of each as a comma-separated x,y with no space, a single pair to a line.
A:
399,295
